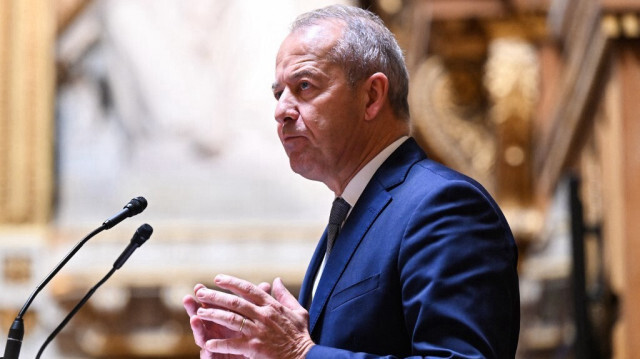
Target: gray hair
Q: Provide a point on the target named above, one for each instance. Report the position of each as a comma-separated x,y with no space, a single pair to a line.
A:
366,47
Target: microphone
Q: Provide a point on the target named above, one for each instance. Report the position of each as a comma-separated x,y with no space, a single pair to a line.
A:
16,332
142,234
135,206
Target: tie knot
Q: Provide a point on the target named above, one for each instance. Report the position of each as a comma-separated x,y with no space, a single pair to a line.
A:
339,211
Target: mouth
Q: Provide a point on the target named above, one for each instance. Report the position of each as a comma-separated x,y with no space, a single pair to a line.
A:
290,136
293,142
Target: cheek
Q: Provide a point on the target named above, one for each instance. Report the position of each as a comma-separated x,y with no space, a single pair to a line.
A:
314,118
279,130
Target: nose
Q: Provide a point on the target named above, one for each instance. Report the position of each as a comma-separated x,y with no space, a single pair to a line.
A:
286,108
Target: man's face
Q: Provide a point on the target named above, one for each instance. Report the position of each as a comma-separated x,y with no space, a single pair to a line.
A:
318,113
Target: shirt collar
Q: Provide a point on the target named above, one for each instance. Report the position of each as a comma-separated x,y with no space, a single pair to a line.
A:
356,186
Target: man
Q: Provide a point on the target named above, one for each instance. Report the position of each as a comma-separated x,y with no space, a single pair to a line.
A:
423,266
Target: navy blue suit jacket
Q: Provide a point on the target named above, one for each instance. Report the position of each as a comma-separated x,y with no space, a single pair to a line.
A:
424,267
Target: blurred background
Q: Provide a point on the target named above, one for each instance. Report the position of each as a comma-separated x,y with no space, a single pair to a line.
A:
105,100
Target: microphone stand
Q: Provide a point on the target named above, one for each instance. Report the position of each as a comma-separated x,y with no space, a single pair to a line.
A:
74,311
140,237
16,333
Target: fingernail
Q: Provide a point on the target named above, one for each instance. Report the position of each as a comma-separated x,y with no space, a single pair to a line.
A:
202,311
221,278
200,294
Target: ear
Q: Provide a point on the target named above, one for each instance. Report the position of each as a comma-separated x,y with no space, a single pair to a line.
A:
376,88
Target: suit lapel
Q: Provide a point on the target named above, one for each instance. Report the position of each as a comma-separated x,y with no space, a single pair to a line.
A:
309,277
348,239
371,203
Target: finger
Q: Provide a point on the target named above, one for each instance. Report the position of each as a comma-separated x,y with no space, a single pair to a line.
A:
214,299
198,286
225,318
199,304
244,289
282,295
265,287
191,305
226,346
197,327
205,354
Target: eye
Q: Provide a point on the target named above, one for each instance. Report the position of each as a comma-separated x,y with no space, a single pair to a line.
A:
304,85
277,94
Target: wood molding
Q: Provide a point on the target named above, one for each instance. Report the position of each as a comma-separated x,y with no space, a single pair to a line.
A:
620,5
628,63
584,58
461,9
478,9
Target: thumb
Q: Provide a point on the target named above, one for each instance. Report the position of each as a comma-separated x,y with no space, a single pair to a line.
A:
282,295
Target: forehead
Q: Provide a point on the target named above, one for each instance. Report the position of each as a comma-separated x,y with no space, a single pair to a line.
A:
310,43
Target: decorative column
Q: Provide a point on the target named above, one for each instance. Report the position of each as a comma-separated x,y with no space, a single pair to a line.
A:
27,34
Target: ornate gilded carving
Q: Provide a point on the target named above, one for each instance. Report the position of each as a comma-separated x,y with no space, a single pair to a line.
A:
472,109
511,80
459,137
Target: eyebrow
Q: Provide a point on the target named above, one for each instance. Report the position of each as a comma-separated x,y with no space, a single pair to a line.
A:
296,75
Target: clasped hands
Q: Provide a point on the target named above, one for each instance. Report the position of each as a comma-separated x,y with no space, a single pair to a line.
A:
250,322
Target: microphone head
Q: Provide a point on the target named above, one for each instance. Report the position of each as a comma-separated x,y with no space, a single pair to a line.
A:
136,205
142,234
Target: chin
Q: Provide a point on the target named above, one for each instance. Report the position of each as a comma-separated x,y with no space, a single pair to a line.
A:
305,170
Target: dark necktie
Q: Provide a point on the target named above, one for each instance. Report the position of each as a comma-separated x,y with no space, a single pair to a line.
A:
339,211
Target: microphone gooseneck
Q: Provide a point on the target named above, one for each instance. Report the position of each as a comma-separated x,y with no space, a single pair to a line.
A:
141,235
16,332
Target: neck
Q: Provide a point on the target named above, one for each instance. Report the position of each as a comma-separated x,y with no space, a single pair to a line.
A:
369,149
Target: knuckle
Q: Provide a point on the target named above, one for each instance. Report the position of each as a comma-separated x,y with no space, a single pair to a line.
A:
207,295
234,302
304,314
271,312
227,316
254,345
246,287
